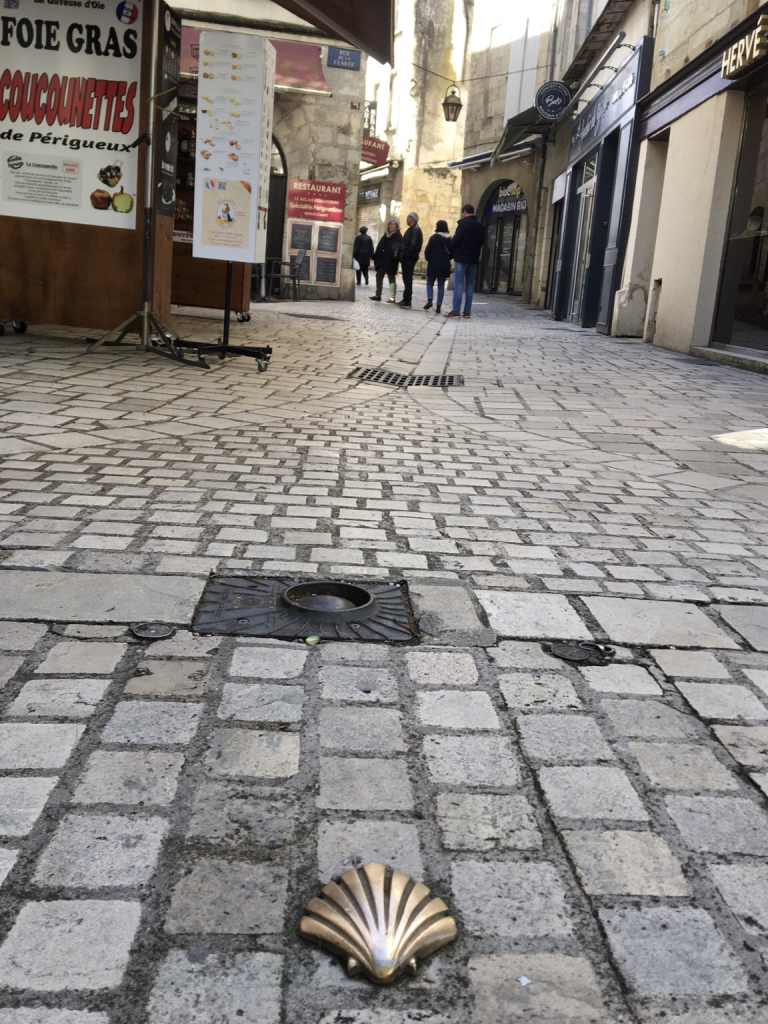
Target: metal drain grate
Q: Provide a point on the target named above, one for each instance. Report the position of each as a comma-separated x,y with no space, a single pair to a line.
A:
407,380
270,607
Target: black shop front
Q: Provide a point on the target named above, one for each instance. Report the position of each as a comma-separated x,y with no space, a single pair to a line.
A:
599,185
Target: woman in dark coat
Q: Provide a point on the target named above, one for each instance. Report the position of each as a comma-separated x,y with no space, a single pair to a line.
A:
438,263
362,251
385,260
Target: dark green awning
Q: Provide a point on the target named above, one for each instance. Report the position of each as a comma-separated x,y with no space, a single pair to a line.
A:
527,122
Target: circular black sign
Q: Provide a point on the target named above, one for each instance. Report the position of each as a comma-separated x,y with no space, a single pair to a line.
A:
552,99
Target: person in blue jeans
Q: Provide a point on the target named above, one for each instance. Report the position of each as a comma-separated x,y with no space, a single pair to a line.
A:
438,263
465,248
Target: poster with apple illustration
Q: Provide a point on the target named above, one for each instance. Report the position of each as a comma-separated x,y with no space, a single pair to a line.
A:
69,111
234,144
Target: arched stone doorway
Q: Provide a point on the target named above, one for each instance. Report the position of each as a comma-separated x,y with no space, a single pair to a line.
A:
504,211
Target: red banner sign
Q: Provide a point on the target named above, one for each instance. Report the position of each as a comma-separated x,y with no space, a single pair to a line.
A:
315,200
374,151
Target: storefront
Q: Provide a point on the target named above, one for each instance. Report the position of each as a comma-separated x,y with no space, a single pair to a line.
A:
706,130
101,154
741,318
599,186
505,216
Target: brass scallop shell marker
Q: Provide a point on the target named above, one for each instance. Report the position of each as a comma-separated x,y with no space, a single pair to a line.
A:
379,920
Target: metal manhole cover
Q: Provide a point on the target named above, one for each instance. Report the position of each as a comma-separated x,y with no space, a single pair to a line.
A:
286,609
407,380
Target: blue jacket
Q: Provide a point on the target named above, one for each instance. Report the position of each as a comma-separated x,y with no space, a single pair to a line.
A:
438,259
467,244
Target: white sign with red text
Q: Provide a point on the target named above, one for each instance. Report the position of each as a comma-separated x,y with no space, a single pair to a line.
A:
69,110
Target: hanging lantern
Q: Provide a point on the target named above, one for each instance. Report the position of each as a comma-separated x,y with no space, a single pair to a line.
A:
452,104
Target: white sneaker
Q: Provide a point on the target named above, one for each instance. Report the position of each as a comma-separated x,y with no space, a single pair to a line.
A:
391,300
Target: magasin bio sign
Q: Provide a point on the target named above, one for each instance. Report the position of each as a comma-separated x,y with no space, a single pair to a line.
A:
69,95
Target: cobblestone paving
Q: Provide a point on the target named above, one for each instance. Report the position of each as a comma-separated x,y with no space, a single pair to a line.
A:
167,809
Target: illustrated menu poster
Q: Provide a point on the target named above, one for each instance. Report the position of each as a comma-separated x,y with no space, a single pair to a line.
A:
69,109
231,125
167,133
226,214
265,157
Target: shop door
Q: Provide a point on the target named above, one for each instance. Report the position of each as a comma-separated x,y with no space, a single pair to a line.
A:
585,205
489,261
505,261
742,315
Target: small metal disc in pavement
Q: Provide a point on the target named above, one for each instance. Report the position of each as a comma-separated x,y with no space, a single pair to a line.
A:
571,652
153,630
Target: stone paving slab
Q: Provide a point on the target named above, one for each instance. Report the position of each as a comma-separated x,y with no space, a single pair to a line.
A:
93,598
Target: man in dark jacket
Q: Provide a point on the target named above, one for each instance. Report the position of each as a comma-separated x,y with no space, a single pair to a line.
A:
413,240
362,251
465,247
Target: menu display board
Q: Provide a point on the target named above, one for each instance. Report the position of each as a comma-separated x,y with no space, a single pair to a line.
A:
328,239
234,131
327,270
301,236
69,111
320,240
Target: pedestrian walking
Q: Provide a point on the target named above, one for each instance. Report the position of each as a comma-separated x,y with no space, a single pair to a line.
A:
465,247
362,251
438,263
413,239
385,260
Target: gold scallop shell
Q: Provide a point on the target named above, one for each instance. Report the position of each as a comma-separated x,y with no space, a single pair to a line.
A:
380,920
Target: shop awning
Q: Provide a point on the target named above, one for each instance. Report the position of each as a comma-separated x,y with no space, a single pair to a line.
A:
298,67
527,122
368,26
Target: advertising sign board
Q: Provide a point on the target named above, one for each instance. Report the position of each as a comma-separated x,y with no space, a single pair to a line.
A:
69,111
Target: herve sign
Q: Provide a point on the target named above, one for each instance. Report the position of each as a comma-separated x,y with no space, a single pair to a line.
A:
69,102
747,50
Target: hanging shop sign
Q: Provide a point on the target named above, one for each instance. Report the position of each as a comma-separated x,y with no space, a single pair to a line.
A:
69,111
746,51
374,151
367,195
616,98
551,100
369,117
338,57
315,200
234,145
167,135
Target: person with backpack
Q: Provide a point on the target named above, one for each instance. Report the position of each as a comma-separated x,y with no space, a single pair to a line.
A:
362,251
438,263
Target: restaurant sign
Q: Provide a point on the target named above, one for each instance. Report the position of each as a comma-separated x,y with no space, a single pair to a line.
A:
747,50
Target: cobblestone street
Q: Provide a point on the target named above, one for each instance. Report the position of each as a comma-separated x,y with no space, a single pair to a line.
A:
168,809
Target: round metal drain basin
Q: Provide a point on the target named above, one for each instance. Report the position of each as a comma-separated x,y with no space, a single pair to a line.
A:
153,630
330,598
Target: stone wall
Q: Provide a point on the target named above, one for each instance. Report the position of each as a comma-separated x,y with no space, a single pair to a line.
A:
685,29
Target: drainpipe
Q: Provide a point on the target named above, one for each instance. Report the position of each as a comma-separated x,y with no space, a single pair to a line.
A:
655,18
532,245
588,18
553,41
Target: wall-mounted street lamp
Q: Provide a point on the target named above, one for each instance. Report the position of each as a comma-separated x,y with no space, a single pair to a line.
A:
452,104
